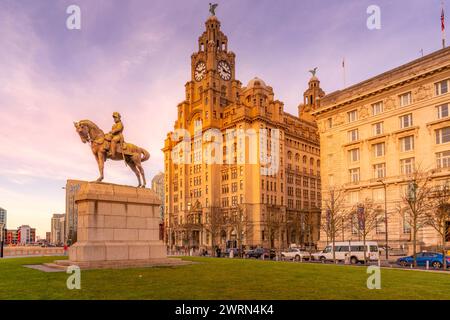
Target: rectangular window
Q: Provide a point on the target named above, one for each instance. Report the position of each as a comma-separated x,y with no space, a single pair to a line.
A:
407,143
379,170
354,175
352,116
380,228
330,123
354,197
377,128
405,99
406,223
442,111
443,159
377,108
407,166
441,87
406,121
443,135
378,194
353,135
354,155
379,150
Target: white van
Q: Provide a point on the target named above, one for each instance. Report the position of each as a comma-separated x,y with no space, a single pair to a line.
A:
353,249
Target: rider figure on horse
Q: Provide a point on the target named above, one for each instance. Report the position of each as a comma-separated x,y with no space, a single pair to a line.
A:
115,135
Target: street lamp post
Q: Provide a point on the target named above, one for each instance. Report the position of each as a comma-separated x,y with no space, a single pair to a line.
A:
2,240
385,218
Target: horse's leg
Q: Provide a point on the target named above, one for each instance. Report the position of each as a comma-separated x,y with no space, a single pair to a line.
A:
132,166
137,162
141,170
101,164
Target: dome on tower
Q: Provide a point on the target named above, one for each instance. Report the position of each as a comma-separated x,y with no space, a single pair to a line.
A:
256,82
212,18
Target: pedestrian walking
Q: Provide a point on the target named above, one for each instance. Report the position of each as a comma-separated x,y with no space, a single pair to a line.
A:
65,249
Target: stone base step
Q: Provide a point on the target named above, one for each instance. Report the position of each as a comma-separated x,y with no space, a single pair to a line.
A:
121,264
55,266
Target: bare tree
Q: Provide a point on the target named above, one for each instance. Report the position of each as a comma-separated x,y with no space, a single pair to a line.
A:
369,216
273,224
439,217
240,221
334,204
417,202
214,223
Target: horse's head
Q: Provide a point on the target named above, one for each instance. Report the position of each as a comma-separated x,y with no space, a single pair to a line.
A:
82,130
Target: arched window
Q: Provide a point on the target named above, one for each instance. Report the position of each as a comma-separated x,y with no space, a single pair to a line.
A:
297,157
305,159
311,162
289,155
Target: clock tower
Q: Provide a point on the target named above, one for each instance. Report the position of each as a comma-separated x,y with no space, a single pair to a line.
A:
213,85
212,171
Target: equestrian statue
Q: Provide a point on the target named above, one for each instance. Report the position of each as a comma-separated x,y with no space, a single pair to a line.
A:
112,146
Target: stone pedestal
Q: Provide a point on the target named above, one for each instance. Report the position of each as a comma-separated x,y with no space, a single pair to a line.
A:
118,226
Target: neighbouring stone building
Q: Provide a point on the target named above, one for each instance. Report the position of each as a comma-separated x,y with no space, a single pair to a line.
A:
71,220
3,220
378,132
26,235
58,223
158,187
261,184
3,217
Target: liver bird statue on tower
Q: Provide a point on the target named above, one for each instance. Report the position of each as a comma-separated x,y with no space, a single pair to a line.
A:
212,8
313,71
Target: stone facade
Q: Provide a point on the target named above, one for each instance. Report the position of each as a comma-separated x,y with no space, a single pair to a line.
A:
377,132
227,120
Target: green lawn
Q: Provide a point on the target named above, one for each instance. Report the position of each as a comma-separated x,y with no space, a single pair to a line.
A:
220,279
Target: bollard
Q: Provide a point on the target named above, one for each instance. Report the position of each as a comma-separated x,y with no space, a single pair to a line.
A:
411,265
428,265
379,262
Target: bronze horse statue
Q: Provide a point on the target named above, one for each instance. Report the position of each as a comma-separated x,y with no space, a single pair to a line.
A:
131,154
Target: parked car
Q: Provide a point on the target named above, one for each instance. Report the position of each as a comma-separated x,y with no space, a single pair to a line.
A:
228,250
259,252
295,254
354,250
435,260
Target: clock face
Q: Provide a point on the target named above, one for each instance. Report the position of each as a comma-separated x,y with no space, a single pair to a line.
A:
200,71
224,70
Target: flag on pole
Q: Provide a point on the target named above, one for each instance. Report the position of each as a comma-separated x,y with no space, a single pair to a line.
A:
443,24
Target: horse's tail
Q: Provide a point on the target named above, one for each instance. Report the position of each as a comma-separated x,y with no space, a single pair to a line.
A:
145,155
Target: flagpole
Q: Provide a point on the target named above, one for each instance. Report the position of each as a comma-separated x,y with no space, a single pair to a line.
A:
443,24
345,77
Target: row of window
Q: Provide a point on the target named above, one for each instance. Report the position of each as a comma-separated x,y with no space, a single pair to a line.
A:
234,201
405,121
234,187
405,99
298,204
406,145
406,167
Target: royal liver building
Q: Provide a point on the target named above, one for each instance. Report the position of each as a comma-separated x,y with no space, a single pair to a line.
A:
239,170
